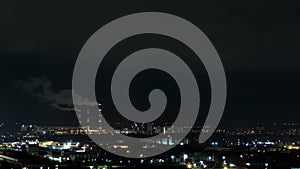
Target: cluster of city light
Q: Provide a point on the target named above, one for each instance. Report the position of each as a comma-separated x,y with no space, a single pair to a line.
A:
60,146
291,147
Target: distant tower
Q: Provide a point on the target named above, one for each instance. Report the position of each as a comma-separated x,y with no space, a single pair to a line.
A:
90,122
88,125
150,128
84,118
100,117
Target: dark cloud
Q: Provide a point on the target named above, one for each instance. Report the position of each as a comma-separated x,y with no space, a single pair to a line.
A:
41,89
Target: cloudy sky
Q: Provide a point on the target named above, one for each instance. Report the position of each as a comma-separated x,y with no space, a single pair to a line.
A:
257,41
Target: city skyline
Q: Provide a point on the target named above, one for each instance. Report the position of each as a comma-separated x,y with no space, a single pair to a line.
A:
177,61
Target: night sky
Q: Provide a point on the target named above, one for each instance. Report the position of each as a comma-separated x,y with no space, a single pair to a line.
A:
257,40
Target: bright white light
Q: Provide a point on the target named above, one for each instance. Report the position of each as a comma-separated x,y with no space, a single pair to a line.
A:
266,164
185,156
232,165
